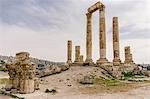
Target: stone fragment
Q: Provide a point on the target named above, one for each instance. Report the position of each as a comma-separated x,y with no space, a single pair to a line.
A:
22,74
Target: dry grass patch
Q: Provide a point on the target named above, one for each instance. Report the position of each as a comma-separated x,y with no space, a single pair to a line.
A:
4,81
111,86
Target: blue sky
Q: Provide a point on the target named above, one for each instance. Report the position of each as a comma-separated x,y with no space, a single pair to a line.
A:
42,27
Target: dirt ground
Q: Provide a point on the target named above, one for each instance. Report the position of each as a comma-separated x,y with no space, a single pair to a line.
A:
67,87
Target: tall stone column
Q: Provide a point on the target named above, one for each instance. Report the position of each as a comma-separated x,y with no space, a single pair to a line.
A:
69,52
89,38
77,54
102,37
128,55
116,52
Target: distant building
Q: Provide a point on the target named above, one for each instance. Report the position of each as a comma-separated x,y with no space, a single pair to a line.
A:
144,66
2,64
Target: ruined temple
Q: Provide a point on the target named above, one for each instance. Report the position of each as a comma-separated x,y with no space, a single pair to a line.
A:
102,60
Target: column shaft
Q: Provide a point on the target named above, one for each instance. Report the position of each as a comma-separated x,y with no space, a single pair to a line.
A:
102,37
128,55
69,52
81,58
77,54
89,38
116,52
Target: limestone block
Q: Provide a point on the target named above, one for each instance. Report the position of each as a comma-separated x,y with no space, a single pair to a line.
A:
22,56
36,83
27,86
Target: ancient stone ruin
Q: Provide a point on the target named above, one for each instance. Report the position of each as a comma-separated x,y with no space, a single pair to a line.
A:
115,68
22,75
102,42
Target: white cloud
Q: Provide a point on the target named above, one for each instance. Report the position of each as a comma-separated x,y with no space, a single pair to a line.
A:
43,28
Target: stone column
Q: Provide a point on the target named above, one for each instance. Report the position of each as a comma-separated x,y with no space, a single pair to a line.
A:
102,37
89,38
77,54
81,58
116,52
128,55
131,57
69,52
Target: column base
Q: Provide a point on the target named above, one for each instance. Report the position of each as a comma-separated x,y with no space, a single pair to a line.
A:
102,61
77,64
128,62
116,62
88,62
69,62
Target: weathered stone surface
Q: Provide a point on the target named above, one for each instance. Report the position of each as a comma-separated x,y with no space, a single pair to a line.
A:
81,59
22,73
102,37
77,54
64,67
56,69
36,83
53,69
146,73
89,38
102,34
69,52
87,79
116,51
96,6
8,87
128,56
114,71
22,56
26,86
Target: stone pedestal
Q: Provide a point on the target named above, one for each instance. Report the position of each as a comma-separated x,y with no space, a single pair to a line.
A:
116,52
69,52
102,37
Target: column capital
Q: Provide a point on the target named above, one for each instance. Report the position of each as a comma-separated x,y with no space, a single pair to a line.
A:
115,18
89,14
102,8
